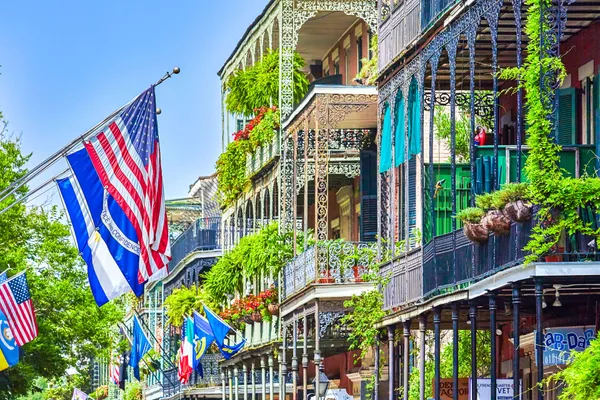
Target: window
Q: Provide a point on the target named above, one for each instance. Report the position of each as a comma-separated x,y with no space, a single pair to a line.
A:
239,125
336,66
359,52
370,40
587,110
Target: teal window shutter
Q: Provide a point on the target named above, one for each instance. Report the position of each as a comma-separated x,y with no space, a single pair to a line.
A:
567,117
414,127
385,162
368,199
399,131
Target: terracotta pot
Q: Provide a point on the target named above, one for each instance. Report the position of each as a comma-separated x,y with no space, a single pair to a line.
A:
518,211
555,257
273,309
326,280
475,232
256,316
356,270
496,221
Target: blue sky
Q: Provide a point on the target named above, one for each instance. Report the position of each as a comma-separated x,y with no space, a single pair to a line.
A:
67,64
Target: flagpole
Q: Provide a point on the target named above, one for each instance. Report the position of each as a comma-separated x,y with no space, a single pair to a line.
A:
47,163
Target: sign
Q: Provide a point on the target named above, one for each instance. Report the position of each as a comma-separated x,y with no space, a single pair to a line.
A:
560,342
504,389
447,389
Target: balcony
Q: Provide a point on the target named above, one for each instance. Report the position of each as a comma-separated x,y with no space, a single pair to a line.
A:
328,263
450,262
212,376
261,333
202,235
261,157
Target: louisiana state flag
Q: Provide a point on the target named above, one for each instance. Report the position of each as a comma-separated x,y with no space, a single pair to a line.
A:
9,354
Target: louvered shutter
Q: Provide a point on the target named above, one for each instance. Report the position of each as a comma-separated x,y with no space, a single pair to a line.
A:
412,199
368,200
567,117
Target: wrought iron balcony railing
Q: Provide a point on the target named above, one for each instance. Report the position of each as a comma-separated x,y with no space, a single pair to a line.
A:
328,262
262,156
204,234
210,368
451,261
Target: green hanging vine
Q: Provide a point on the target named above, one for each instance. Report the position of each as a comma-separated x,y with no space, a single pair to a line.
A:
562,200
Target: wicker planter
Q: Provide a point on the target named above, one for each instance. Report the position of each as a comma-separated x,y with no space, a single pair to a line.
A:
518,211
475,232
247,319
496,221
256,316
273,309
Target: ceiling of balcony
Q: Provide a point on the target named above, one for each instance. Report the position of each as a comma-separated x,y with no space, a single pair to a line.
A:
320,33
580,15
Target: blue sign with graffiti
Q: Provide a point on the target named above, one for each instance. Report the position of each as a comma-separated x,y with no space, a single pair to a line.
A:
560,342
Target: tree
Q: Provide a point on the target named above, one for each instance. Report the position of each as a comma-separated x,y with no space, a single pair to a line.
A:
72,329
582,376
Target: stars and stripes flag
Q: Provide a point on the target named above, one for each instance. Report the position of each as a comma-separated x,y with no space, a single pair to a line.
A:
114,373
126,156
16,304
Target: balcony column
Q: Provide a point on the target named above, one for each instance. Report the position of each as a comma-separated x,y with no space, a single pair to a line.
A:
391,361
236,380
406,333
253,378
294,191
437,351
455,333
422,327
377,364
283,364
271,380
223,384
493,381
230,379
245,371
473,319
539,335
263,368
516,300
295,361
317,349
304,357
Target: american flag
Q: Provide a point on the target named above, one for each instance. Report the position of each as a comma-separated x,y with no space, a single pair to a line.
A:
114,373
16,304
126,156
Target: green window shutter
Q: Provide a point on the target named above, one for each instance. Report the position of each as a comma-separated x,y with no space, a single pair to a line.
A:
368,199
567,116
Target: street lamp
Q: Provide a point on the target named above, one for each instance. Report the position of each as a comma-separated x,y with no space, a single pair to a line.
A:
323,385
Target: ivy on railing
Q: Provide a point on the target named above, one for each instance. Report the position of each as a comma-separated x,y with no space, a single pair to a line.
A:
561,198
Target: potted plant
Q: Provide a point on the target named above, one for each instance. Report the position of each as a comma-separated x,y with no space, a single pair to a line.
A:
494,219
472,227
512,198
555,254
326,277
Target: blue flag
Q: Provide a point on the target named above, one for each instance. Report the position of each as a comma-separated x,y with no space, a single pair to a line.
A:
203,339
9,351
140,345
106,239
220,331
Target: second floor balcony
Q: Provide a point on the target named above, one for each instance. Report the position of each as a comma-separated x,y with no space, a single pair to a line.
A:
331,262
202,235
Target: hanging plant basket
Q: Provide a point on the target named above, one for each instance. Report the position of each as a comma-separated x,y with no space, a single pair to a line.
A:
496,221
475,232
273,309
256,316
247,319
518,211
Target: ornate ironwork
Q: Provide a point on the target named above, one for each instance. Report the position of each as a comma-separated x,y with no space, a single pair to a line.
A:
294,13
327,319
287,185
484,102
350,169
